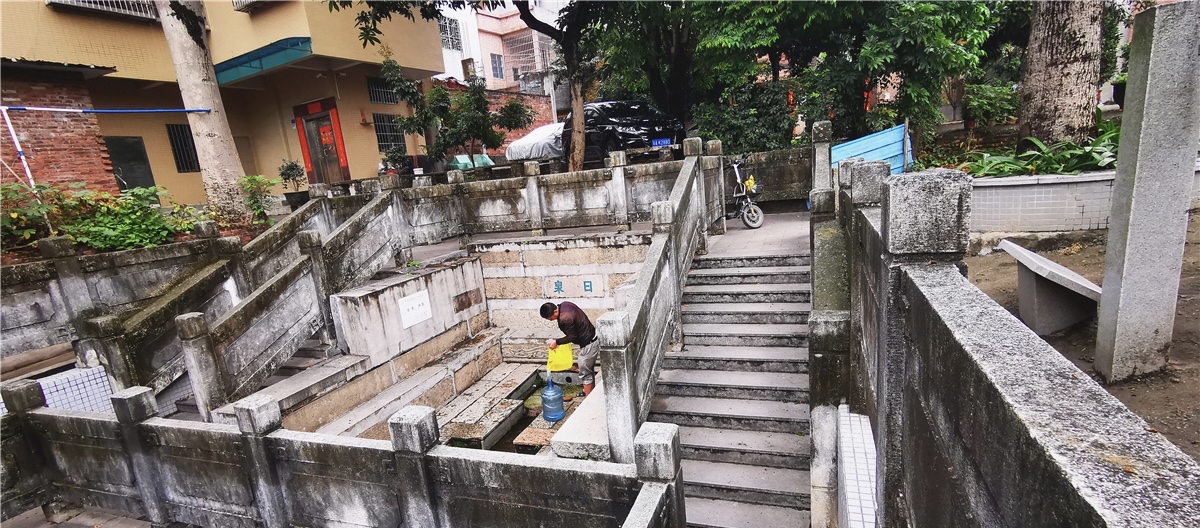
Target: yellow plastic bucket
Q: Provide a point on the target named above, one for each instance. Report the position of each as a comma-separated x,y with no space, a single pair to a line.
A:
560,358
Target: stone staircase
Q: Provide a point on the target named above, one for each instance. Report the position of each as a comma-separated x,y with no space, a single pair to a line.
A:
739,391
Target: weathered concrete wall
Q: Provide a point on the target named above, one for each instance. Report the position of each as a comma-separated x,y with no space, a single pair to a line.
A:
45,303
1037,443
23,484
781,174
1021,204
255,474
389,317
977,421
649,183
519,276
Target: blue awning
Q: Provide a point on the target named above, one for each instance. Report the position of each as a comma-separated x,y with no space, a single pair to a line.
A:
272,55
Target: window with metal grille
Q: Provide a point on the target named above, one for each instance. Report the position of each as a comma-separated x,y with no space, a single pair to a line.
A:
183,147
497,66
451,36
387,132
378,91
140,9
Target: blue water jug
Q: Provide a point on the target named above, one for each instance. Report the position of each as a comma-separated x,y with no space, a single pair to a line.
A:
552,402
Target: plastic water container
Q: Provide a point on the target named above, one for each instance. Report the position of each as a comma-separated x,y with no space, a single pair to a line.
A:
552,402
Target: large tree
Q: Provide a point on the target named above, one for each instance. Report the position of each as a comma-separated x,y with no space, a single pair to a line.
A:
220,168
1062,68
574,23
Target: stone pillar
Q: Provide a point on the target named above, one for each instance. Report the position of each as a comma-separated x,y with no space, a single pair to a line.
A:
423,181
693,146
414,431
712,147
717,192
618,191
400,226
21,397
925,217
310,244
77,294
257,416
822,136
613,330
1151,193
203,365
455,176
533,204
132,407
230,247
105,338
658,457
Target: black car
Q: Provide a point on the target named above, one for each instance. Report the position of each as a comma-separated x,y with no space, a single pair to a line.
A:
623,125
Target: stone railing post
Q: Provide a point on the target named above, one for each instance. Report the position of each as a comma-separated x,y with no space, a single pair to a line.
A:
105,339
822,137
414,431
367,186
78,297
618,192
257,416
133,406
658,457
533,199
21,397
715,148
455,176
925,217
230,247
203,365
310,244
1151,193
693,146
401,229
614,332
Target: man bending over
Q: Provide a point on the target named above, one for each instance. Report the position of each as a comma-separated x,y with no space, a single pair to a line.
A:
577,329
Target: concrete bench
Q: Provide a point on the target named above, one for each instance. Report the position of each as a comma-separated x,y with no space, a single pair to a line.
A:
1050,297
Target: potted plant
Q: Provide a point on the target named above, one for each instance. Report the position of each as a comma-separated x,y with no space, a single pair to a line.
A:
1118,89
293,174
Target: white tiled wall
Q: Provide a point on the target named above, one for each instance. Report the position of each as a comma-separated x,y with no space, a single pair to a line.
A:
77,389
1022,204
856,470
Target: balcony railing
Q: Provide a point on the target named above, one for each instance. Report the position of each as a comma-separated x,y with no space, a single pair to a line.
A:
140,9
247,6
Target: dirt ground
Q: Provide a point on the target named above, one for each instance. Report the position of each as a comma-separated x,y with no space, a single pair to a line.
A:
1169,401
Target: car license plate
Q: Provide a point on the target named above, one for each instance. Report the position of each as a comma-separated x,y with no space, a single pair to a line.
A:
660,142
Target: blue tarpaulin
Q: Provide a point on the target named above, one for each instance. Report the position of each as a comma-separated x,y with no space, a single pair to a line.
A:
891,145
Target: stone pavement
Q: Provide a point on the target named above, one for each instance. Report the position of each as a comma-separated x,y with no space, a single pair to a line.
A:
780,233
90,518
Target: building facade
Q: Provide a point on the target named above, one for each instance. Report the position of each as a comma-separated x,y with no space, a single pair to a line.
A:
295,81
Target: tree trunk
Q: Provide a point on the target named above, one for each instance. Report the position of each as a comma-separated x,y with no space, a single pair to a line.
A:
1058,93
578,124
220,168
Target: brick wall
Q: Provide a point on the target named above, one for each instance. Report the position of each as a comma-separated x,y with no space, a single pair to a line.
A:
540,104
61,147
1022,204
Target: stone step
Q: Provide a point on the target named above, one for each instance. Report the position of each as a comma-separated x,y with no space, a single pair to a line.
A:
744,483
743,358
750,275
767,335
772,313
774,386
759,448
297,364
786,258
713,513
186,405
747,293
313,348
730,413
386,403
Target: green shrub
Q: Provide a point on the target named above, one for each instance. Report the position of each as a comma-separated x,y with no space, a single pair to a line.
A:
131,220
258,191
25,214
991,104
292,174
